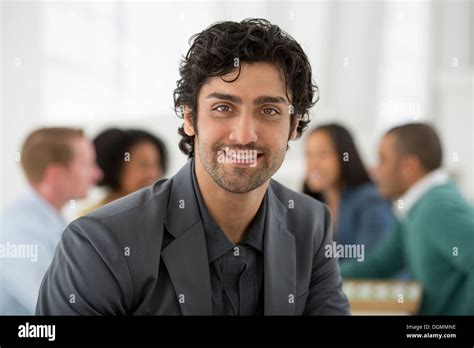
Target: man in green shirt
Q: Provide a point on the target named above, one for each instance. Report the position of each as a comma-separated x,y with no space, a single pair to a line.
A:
434,233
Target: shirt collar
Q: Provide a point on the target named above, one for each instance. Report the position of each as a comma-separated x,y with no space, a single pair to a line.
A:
403,205
217,242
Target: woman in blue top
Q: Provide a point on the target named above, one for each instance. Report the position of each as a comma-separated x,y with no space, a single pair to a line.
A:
336,175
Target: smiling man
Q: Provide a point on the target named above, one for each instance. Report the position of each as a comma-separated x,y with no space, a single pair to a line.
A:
220,237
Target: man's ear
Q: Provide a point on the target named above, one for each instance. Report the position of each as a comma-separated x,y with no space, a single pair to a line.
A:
411,165
53,172
188,121
294,124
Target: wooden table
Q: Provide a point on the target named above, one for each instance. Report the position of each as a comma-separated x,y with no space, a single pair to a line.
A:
383,297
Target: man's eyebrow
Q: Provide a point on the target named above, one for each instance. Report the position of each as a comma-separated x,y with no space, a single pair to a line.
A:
264,99
228,97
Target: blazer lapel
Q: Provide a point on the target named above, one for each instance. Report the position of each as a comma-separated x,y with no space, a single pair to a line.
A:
186,256
279,261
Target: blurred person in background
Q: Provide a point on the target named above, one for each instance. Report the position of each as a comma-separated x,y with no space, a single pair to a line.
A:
130,160
336,175
59,164
434,232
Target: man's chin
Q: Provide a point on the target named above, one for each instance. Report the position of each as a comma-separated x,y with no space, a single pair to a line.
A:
238,190
387,194
238,180
78,196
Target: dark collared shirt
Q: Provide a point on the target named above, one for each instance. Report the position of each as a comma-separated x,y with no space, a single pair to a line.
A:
236,270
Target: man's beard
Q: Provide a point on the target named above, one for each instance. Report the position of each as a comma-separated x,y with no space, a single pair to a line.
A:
240,178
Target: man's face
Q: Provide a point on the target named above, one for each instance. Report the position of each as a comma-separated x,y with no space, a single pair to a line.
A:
83,172
389,171
243,127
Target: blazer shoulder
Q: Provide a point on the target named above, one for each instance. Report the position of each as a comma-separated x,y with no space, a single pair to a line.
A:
138,199
143,210
302,210
286,194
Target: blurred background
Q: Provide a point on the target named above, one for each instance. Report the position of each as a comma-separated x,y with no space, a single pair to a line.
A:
102,64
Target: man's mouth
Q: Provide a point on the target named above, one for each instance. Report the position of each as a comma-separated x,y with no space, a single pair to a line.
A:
241,157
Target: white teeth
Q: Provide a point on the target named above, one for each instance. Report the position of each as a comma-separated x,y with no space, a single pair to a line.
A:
240,156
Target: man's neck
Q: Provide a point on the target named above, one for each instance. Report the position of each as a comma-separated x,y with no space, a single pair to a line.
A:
414,179
50,197
417,188
233,212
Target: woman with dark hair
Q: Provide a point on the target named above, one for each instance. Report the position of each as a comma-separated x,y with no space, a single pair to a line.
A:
130,160
336,175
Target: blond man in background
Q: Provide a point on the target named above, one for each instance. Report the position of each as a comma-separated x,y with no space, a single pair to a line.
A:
59,164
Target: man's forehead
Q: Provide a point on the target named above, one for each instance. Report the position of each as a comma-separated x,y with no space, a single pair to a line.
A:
265,79
256,67
79,144
389,139
388,144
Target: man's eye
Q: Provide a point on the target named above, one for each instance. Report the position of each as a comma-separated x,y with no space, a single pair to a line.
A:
222,108
270,111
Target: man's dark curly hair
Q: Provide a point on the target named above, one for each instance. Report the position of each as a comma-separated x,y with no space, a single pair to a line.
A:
214,51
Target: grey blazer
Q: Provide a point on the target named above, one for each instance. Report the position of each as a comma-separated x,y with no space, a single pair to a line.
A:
145,254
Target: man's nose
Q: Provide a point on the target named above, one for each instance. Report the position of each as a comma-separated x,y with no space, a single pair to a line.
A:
244,130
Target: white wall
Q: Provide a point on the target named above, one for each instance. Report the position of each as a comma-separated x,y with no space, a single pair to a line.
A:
451,87
20,86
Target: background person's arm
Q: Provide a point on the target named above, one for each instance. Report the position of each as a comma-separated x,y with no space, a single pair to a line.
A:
448,229
89,274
